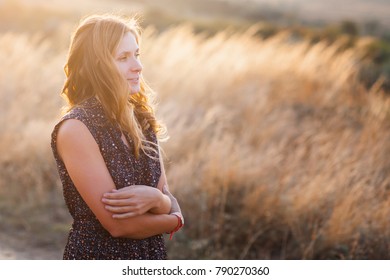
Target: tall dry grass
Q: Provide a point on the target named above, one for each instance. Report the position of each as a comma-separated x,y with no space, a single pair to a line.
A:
276,151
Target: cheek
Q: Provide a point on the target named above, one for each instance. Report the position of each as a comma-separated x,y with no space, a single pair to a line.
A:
123,69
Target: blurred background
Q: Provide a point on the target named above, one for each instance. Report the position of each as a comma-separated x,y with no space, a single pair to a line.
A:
278,114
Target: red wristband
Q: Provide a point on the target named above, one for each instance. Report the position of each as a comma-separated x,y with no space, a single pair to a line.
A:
180,223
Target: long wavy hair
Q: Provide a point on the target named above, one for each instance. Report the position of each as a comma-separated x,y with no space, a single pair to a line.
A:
91,71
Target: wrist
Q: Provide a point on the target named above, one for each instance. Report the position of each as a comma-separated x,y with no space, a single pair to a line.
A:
180,223
179,216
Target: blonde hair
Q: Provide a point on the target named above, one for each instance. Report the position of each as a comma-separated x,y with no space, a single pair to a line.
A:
91,71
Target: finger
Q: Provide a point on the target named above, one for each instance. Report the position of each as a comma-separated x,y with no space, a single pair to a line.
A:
130,211
123,189
117,202
125,215
118,195
120,210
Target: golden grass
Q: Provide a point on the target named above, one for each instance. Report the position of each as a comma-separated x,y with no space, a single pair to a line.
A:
276,151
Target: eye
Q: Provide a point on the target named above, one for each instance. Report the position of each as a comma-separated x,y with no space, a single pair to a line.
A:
122,58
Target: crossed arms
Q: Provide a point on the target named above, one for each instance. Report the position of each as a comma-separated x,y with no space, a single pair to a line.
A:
134,212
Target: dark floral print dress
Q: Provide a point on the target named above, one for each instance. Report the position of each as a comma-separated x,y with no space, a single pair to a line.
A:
87,237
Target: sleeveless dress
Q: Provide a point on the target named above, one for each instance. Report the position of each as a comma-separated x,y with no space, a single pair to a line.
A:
88,239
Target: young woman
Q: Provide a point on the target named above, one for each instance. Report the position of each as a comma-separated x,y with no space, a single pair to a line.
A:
107,148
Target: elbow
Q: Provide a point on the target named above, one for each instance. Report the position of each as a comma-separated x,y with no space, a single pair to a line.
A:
117,232
113,230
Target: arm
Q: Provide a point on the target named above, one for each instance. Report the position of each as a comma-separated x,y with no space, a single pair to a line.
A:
86,167
136,200
126,202
163,186
175,209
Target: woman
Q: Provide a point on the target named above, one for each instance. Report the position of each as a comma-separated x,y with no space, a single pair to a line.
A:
107,151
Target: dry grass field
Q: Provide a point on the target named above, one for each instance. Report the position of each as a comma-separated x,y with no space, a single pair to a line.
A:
327,10
276,150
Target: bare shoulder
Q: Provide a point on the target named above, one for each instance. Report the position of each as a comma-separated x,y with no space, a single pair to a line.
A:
74,134
71,127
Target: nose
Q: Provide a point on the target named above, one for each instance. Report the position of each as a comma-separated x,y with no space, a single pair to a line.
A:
136,66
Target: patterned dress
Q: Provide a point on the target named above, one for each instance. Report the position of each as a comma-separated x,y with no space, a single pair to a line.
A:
87,238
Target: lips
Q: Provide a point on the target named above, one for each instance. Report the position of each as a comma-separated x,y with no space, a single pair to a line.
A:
134,80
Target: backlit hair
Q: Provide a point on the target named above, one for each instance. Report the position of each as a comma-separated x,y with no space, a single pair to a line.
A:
91,71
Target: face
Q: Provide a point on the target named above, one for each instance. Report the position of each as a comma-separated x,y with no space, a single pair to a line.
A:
128,62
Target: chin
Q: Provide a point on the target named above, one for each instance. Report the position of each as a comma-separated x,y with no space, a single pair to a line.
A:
134,90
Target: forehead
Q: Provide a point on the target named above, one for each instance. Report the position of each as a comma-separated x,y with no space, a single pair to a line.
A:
128,43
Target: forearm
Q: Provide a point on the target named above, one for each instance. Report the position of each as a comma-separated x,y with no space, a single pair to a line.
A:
136,200
144,226
163,187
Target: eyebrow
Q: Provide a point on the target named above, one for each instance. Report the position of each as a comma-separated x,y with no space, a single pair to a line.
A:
127,52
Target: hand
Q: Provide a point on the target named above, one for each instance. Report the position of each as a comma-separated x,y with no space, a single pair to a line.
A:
131,201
